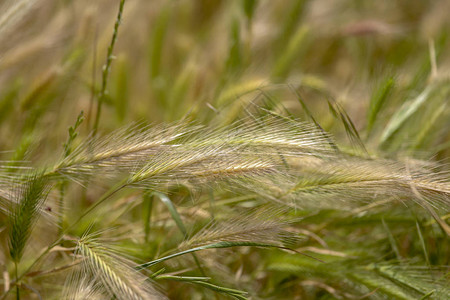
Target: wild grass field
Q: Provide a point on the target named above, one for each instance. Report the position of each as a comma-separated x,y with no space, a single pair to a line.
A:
248,149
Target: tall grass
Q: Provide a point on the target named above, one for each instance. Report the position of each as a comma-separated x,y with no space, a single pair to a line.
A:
275,150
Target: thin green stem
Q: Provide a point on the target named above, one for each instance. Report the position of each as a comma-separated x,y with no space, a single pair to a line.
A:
61,205
105,196
17,282
107,67
147,204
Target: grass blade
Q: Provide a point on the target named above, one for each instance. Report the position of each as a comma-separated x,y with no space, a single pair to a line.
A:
377,102
218,245
403,114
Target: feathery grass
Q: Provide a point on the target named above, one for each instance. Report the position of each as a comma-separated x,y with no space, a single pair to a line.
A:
262,226
299,149
109,272
30,196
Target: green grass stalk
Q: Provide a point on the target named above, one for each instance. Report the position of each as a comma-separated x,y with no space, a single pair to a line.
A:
107,68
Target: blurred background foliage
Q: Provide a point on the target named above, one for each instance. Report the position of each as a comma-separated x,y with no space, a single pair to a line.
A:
209,59
375,74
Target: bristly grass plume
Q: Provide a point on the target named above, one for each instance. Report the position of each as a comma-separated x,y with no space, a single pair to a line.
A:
108,272
30,196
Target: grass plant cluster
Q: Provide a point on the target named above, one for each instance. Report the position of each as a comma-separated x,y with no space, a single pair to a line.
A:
224,149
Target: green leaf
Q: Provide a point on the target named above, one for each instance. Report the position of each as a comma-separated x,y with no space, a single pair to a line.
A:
403,114
176,217
217,245
234,61
203,281
173,212
147,207
249,8
378,100
291,54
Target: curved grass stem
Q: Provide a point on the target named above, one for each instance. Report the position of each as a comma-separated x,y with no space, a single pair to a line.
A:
17,282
